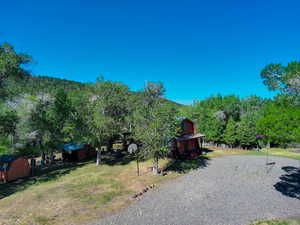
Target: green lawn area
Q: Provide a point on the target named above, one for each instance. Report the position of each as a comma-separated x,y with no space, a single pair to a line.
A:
288,153
76,193
83,192
276,222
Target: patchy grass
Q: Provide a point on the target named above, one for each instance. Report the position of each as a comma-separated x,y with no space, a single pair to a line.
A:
287,153
83,192
281,152
276,222
75,194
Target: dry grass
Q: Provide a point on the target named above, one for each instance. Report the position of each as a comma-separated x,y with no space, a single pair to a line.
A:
85,192
287,153
77,195
219,152
276,222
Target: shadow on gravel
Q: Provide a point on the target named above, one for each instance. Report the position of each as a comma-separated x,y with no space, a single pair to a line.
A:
290,182
184,166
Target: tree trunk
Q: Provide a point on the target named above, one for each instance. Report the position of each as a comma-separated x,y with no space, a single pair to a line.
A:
51,158
12,142
43,155
98,162
155,166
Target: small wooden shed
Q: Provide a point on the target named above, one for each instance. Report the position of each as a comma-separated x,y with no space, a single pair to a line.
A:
13,167
189,143
77,152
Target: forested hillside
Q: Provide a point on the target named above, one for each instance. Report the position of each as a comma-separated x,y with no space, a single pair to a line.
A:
34,85
39,114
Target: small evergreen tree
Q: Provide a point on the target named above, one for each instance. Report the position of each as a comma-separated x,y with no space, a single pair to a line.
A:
230,134
246,132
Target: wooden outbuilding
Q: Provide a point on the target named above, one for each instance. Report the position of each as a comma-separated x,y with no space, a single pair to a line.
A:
13,167
189,143
77,152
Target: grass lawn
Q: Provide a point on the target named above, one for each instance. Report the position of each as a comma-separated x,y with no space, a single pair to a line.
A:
282,222
288,153
78,193
74,194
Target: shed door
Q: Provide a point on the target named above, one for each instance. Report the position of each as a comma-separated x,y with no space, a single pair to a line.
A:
186,146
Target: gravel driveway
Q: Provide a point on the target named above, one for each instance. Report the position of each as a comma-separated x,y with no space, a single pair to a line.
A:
231,190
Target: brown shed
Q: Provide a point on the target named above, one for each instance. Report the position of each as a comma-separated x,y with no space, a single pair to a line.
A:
77,152
189,143
13,167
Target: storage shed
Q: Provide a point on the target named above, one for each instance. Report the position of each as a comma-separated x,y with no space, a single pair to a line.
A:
13,167
189,143
77,152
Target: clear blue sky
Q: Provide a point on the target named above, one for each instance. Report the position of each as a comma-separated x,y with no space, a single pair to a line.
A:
196,48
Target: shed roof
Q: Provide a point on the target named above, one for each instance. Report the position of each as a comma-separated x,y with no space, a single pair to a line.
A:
183,118
6,161
190,136
72,147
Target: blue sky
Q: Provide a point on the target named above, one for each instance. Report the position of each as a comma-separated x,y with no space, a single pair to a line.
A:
196,48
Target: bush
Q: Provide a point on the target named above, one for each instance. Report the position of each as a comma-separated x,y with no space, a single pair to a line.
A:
4,146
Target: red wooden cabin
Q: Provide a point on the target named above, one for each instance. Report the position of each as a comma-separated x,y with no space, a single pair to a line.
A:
189,143
13,167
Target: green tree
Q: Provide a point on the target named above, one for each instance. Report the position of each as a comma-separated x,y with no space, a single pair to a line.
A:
230,134
112,98
155,124
50,118
246,131
283,78
231,105
101,127
108,113
8,121
11,68
251,105
280,121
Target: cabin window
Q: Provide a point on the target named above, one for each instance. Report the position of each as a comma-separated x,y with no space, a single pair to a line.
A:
184,126
5,166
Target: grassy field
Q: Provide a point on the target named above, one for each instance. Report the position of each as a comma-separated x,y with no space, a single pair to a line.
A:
282,222
288,153
78,193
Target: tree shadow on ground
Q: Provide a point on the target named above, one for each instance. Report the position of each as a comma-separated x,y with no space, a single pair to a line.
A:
184,166
289,183
117,158
40,176
207,150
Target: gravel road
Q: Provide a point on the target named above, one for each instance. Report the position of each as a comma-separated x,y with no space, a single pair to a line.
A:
232,190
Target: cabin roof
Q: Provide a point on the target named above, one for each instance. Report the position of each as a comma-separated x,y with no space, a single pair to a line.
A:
190,136
72,147
6,161
183,118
